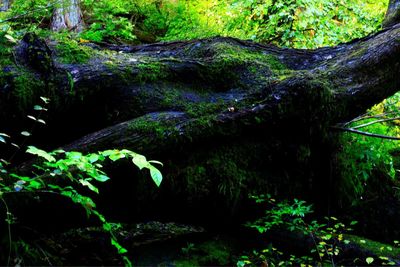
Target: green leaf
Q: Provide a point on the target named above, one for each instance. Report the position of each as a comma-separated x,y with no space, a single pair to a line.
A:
35,184
156,175
120,249
107,153
89,185
369,260
101,178
31,117
15,145
156,162
10,38
2,139
141,162
74,155
41,153
37,107
25,133
45,99
93,158
116,156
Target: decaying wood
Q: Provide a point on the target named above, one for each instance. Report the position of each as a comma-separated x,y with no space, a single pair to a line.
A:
193,96
393,14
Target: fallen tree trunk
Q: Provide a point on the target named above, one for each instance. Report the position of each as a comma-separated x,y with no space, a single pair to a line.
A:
210,102
181,76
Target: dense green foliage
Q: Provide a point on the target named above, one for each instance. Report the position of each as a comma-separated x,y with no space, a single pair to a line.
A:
328,238
65,173
287,23
364,159
296,23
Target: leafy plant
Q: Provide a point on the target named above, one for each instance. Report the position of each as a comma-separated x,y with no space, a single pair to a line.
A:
291,216
66,173
361,158
328,238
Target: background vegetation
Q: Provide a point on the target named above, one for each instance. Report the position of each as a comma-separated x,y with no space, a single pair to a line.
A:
305,24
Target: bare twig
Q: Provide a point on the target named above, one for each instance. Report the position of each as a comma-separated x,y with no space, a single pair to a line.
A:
366,116
352,130
373,122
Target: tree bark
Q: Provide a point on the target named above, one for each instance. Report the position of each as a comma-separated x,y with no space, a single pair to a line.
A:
393,14
199,105
4,5
236,79
67,16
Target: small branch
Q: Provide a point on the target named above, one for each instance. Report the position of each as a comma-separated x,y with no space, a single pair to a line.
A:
373,122
365,117
352,130
392,16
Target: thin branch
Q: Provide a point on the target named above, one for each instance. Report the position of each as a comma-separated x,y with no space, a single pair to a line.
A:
352,130
365,117
373,122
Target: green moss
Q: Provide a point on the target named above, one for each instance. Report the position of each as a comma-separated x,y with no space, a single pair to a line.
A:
158,125
151,72
27,87
377,248
230,52
235,66
204,108
224,173
71,52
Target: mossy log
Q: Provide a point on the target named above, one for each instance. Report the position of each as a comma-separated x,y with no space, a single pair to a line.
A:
393,14
218,76
263,113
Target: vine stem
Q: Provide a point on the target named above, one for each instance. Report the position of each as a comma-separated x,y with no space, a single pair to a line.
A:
8,220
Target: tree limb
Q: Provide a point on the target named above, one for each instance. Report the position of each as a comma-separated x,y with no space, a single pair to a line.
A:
392,15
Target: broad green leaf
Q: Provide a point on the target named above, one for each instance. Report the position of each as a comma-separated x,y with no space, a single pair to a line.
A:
31,117
141,162
93,158
17,146
120,249
37,107
116,156
156,176
107,153
74,155
41,153
369,260
101,178
10,38
89,185
18,187
25,133
156,162
45,99
35,184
